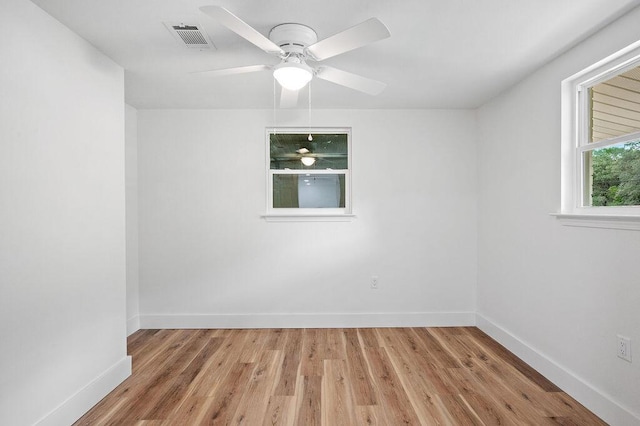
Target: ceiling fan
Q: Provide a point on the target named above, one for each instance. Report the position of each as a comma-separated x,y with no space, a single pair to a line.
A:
295,44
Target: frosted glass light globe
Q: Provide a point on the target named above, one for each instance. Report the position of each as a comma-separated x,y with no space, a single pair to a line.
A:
293,76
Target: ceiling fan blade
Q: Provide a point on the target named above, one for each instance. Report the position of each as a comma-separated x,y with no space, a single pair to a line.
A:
238,26
353,81
288,98
232,71
357,36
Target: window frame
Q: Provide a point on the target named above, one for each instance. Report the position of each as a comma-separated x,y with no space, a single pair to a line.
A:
575,106
308,214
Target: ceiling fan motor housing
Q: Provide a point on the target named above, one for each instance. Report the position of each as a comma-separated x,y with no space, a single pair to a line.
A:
293,38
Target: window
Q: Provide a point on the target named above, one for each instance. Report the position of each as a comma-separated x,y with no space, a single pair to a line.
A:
601,140
308,173
609,146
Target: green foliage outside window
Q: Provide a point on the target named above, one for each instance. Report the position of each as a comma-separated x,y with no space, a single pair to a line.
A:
616,175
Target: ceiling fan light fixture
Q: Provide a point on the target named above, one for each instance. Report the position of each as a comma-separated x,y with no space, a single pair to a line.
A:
293,76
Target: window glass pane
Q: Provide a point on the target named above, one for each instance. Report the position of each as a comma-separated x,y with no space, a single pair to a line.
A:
325,151
615,106
612,175
308,190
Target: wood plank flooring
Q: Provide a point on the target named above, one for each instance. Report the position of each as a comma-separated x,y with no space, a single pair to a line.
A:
383,376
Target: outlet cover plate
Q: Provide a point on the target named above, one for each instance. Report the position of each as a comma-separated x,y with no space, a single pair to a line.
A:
374,282
624,348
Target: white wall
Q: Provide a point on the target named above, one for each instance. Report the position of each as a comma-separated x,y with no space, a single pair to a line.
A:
207,258
62,238
555,295
131,196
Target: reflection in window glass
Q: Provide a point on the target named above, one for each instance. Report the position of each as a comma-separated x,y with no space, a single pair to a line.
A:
612,175
324,151
309,191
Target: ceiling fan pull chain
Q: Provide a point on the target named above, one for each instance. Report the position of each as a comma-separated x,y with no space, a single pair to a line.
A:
274,107
310,138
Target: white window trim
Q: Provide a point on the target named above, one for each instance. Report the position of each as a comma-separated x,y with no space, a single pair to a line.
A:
309,215
574,103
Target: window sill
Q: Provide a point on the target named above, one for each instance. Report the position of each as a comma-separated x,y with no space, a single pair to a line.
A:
599,221
308,217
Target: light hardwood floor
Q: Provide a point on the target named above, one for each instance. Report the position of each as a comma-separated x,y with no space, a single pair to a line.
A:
383,376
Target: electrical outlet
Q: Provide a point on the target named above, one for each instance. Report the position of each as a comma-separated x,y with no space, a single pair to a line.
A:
374,282
624,348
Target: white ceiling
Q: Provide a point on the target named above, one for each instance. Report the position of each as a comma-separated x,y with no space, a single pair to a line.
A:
441,54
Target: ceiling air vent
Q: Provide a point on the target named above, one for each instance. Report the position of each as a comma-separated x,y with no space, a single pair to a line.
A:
191,36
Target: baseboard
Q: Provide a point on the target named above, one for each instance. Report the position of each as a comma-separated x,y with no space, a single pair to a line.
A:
599,403
82,401
343,320
133,325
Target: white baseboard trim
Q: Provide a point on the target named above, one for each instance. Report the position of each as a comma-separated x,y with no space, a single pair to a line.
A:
343,320
133,325
598,402
82,401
